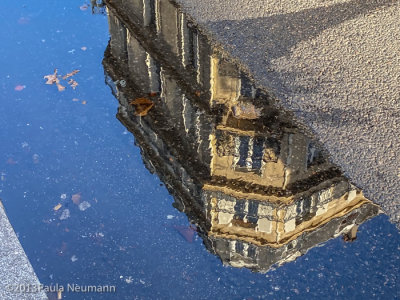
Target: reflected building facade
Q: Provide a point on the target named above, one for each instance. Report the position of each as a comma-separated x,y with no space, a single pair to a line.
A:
260,190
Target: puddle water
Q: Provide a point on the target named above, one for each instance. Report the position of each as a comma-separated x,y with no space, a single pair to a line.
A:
260,191
200,187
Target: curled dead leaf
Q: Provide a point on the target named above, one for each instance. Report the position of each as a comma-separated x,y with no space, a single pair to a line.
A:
142,106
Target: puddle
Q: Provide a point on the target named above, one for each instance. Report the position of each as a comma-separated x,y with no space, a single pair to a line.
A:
260,190
192,184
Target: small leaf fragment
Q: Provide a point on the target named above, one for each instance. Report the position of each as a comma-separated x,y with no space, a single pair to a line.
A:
73,83
76,198
70,74
51,78
19,87
142,106
57,207
60,87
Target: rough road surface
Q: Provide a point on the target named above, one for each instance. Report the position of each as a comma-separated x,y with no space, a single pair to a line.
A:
16,273
336,64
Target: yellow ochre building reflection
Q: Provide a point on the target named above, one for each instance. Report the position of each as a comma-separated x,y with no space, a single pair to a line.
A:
260,190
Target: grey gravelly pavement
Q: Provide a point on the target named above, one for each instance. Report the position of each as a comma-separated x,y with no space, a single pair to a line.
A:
16,271
335,64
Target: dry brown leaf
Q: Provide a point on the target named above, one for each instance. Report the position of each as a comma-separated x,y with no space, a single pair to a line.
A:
142,106
153,94
72,83
70,74
57,207
51,78
76,198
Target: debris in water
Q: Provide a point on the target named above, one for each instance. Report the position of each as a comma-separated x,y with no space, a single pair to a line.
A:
73,83
51,78
186,232
84,206
57,207
65,214
70,74
11,161
60,87
76,198
74,258
35,158
129,279
142,106
19,88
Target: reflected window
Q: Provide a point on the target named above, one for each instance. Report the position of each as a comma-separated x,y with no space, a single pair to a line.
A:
192,46
151,4
239,209
244,160
251,251
252,216
239,247
257,156
305,210
272,150
249,152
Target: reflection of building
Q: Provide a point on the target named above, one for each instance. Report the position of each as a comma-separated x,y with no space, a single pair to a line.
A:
260,190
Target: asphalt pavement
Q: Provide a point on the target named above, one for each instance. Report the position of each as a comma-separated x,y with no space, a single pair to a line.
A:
335,64
17,277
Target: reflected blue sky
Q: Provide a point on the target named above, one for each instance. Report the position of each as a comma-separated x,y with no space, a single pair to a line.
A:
51,145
